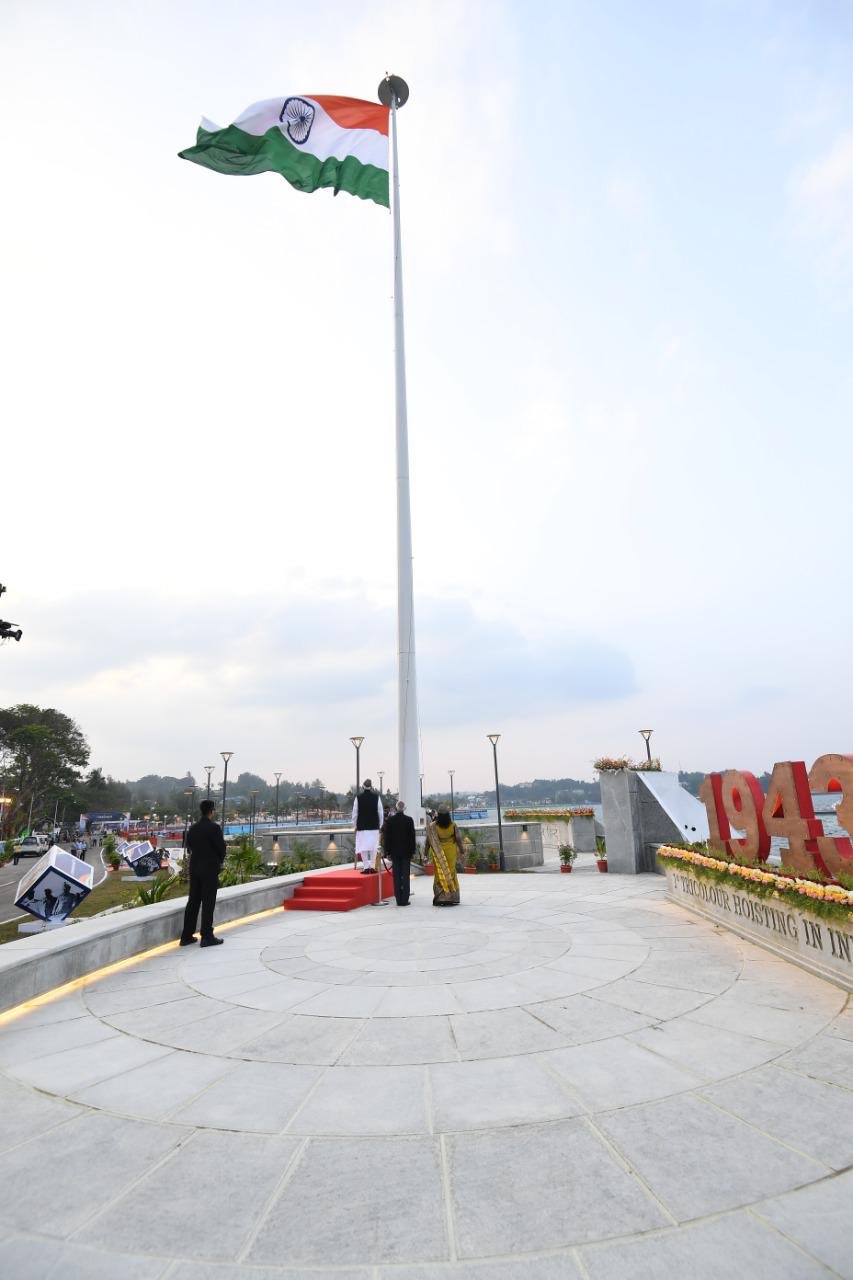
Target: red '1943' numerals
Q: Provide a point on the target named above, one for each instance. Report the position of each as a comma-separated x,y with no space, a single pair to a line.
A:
743,820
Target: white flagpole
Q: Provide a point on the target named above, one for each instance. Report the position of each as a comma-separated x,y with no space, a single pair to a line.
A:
394,93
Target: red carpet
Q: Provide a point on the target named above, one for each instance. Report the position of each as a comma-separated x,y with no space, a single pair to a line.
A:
339,891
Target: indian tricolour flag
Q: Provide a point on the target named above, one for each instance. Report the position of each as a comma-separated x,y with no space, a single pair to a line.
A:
313,142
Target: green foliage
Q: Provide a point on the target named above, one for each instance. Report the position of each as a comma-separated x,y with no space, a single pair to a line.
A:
473,852
567,854
600,847
109,850
242,861
285,867
154,892
44,753
834,911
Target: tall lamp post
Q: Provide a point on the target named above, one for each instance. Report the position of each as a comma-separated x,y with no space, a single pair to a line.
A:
254,796
421,777
381,776
277,777
494,739
645,734
208,768
451,772
226,756
356,742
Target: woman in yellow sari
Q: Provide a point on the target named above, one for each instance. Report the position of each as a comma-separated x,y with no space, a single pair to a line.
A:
445,844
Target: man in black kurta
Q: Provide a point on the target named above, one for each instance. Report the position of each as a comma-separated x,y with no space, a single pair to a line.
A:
398,843
206,852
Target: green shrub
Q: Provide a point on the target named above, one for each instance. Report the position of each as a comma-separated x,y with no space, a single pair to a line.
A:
154,892
242,861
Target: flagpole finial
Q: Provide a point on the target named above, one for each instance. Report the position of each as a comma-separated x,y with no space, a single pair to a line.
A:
393,91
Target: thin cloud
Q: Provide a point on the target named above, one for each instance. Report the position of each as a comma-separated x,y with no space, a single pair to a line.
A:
823,203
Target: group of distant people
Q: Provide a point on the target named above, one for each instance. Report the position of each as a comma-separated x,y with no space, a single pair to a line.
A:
397,837
205,846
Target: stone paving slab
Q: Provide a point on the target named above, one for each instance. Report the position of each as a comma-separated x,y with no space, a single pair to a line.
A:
566,1076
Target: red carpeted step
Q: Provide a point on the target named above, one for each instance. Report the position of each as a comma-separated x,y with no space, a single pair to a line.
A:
338,891
321,904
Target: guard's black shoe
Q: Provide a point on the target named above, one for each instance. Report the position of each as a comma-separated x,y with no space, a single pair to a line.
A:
186,942
211,942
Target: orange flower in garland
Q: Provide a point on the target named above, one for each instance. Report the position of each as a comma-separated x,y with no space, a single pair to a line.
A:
807,888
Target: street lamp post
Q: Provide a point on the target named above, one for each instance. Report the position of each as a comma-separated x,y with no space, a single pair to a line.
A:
226,756
277,777
208,770
494,738
381,776
356,742
451,772
254,796
421,777
645,734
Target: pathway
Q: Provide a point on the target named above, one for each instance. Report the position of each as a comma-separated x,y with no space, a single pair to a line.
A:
566,1077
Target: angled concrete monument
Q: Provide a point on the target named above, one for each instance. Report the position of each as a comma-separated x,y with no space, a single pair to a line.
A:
643,808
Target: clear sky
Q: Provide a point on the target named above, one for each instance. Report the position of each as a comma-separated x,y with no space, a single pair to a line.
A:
628,252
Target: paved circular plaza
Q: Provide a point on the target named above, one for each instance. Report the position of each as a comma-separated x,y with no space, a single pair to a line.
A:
566,1076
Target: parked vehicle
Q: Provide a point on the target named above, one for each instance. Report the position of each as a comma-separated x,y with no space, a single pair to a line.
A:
31,846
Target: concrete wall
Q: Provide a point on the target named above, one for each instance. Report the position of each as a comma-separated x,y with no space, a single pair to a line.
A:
578,832
316,838
522,849
634,820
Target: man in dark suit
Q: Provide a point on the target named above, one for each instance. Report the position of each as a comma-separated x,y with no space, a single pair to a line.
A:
398,842
206,850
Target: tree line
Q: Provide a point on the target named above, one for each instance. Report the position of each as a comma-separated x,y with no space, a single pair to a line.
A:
45,773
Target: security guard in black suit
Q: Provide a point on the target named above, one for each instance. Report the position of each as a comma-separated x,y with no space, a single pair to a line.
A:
206,850
398,843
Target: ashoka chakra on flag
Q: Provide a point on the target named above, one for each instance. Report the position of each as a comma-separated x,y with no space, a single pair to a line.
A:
312,141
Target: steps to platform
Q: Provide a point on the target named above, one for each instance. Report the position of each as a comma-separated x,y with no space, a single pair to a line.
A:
343,890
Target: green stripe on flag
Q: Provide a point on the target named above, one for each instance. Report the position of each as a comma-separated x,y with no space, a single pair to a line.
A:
233,151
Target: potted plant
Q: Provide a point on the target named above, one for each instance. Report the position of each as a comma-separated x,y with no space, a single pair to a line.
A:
600,854
112,856
472,853
567,856
494,861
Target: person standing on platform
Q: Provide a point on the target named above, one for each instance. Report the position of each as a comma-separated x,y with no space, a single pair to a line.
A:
206,849
367,817
398,842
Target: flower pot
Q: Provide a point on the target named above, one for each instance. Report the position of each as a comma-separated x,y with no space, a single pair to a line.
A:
429,869
470,871
601,863
566,866
494,866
